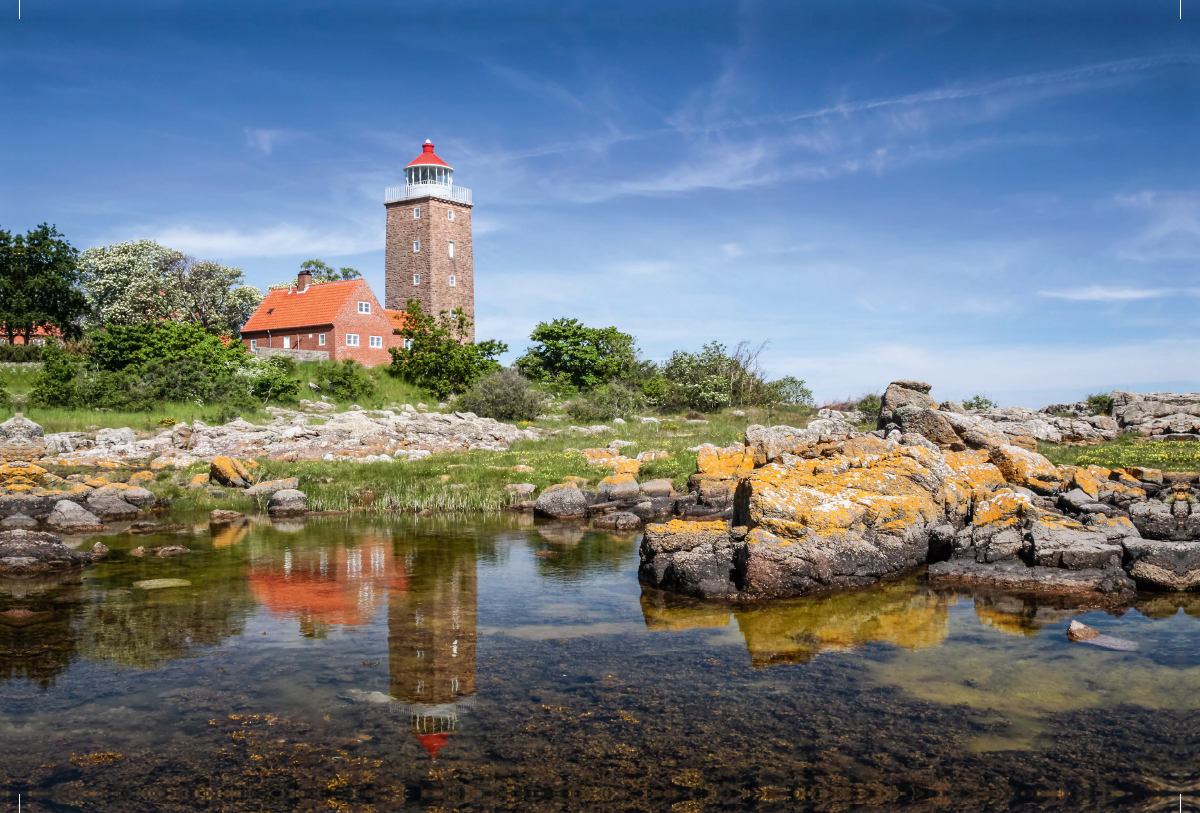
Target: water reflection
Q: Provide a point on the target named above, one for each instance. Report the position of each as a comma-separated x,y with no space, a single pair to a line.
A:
37,620
431,641
325,585
796,630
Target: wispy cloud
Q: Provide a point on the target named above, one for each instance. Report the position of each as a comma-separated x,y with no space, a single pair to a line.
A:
1173,230
1100,293
276,241
264,141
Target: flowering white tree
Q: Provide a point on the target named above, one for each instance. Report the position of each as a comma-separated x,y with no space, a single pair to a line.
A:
142,281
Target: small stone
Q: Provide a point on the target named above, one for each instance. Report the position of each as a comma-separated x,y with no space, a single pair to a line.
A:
223,517
168,551
1080,632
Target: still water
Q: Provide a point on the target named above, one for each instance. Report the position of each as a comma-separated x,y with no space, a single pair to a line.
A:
351,663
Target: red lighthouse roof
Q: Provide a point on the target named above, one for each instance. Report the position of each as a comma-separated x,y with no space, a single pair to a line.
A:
427,158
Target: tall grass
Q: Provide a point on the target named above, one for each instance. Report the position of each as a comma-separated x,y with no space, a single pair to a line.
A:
1126,451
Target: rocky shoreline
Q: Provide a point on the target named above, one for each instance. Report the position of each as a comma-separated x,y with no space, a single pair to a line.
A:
830,507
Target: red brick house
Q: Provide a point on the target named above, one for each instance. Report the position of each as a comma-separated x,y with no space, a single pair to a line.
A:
342,319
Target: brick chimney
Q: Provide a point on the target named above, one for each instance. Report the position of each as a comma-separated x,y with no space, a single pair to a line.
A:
303,280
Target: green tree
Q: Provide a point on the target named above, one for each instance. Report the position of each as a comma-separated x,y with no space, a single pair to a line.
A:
979,402
570,355
55,385
438,357
324,273
791,390
39,284
121,346
704,379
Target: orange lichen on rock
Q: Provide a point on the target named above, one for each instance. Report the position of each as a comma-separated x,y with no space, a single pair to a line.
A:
141,476
890,494
178,461
1025,468
976,468
229,471
20,473
654,454
1001,510
729,463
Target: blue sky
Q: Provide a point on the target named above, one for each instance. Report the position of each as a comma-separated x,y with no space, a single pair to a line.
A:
996,197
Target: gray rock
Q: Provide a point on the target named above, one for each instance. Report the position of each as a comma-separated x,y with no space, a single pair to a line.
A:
1164,564
624,490
657,488
288,502
116,437
1153,519
140,497
1063,547
620,521
271,486
69,516
561,502
27,553
109,505
19,521
621,444
899,393
1101,587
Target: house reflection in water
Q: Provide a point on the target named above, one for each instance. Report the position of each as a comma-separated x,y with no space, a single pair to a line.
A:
431,642
326,586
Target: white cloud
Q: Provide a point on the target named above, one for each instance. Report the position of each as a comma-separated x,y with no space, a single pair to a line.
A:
264,141
1173,232
1100,293
283,240
732,250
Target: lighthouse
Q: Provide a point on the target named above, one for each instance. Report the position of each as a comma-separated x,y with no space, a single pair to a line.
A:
428,254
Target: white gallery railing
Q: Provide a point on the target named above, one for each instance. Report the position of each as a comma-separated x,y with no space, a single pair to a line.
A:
421,190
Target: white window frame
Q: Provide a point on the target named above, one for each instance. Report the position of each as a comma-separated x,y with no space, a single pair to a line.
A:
321,339
352,340
287,342
375,341
416,246
449,214
416,279
452,281
452,249
253,345
364,307
408,343
416,213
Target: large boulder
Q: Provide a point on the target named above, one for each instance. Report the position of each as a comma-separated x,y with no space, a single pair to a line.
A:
139,497
561,501
1027,469
28,553
109,505
288,502
693,558
229,472
1162,564
901,393
72,518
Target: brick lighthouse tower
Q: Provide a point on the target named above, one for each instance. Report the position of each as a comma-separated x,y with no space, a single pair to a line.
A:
428,245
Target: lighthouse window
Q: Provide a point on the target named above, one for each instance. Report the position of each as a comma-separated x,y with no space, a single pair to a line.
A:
416,279
416,212
449,214
451,280
416,245
451,248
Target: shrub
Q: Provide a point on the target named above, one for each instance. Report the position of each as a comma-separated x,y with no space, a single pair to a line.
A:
1100,404
20,353
504,395
55,385
571,355
791,391
612,400
979,402
347,380
870,404
693,415
272,378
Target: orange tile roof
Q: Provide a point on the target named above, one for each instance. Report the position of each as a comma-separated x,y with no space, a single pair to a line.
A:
283,308
397,318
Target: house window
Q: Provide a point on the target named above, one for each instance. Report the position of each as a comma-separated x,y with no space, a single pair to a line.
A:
364,307
451,280
451,248
416,245
408,344
287,342
377,341
253,345
449,214
321,339
352,340
416,279
416,212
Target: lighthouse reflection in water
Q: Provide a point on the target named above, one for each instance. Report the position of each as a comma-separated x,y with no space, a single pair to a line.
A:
430,598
